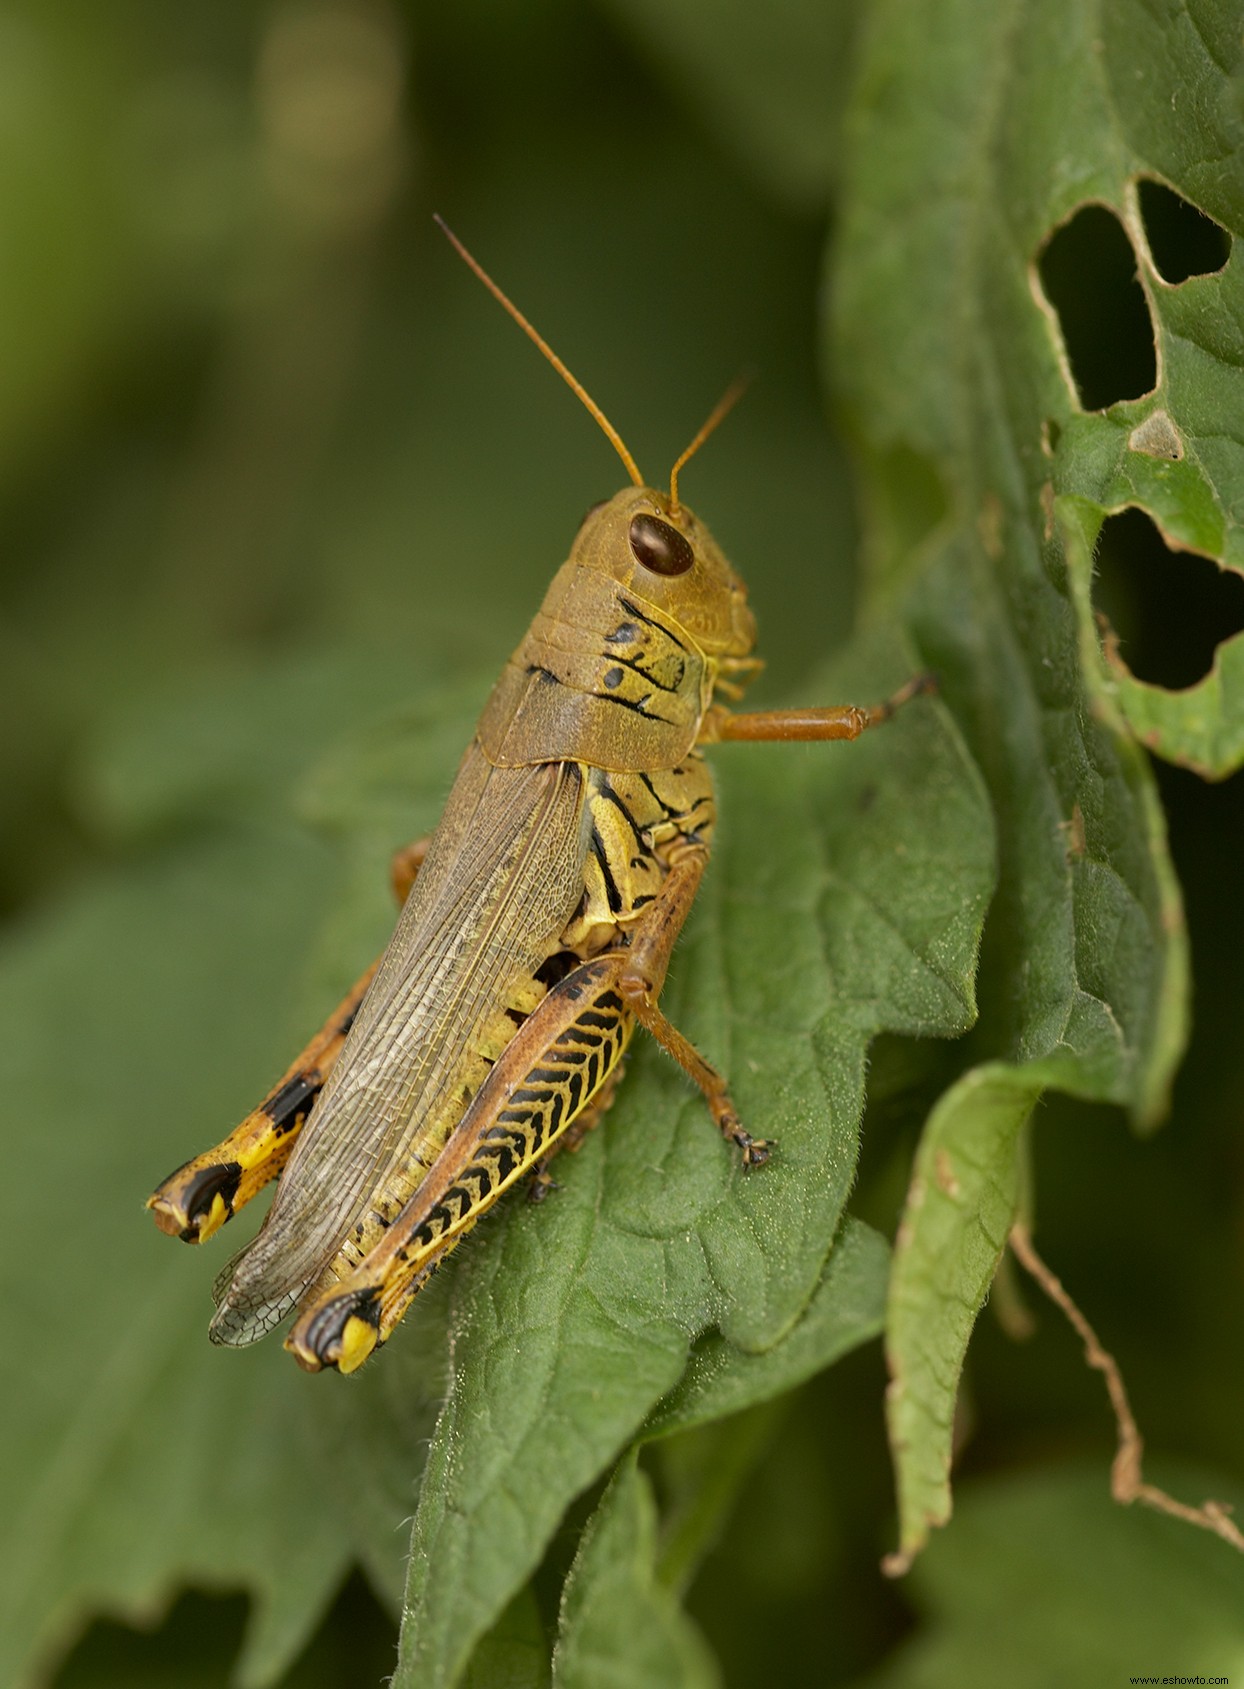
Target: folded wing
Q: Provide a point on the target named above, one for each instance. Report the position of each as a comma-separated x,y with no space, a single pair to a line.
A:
502,878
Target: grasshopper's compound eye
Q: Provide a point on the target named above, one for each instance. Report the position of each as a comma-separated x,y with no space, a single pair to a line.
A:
660,547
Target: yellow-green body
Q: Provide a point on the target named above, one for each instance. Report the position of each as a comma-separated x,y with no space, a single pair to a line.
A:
537,933
582,779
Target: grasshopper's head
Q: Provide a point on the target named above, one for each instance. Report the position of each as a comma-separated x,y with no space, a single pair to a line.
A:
646,540
663,555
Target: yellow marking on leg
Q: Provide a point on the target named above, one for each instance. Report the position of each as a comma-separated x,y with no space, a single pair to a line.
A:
358,1339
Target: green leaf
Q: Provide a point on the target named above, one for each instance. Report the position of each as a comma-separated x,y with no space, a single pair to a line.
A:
846,1309
1121,67
1045,1580
845,896
715,1424
137,1458
620,1629
976,134
514,1654
964,1195
771,83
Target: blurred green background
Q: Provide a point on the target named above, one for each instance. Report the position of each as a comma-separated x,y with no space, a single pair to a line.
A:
266,447
254,405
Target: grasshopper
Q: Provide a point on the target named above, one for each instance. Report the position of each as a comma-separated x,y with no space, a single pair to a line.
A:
535,933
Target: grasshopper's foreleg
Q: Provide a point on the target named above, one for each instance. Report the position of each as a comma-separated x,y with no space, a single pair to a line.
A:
558,1063
838,721
196,1201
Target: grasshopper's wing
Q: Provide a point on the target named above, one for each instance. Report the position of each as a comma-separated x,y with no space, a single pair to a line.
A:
502,878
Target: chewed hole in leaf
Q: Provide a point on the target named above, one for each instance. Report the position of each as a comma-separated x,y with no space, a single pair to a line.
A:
1182,239
1169,610
1087,271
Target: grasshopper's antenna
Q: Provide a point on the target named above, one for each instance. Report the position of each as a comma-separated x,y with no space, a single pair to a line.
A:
632,468
718,414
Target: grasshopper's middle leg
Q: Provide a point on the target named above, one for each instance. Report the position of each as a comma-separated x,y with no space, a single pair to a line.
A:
198,1198
643,974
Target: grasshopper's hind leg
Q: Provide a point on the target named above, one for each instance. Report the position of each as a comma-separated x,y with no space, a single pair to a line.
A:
573,1137
198,1198
556,1067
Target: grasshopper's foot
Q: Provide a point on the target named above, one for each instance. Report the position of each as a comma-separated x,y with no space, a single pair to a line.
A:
195,1202
918,686
340,1332
541,1184
756,1151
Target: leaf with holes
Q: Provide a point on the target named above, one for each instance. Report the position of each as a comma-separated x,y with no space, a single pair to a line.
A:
977,137
1162,461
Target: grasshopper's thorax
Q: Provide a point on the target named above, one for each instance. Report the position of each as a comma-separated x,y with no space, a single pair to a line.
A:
619,666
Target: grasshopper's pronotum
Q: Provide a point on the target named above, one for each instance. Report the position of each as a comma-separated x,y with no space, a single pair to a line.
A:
537,931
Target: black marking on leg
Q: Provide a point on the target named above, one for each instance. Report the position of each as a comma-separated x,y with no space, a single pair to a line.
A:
207,1184
327,1326
546,1075
578,1034
291,1104
513,1141
592,1017
482,1180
